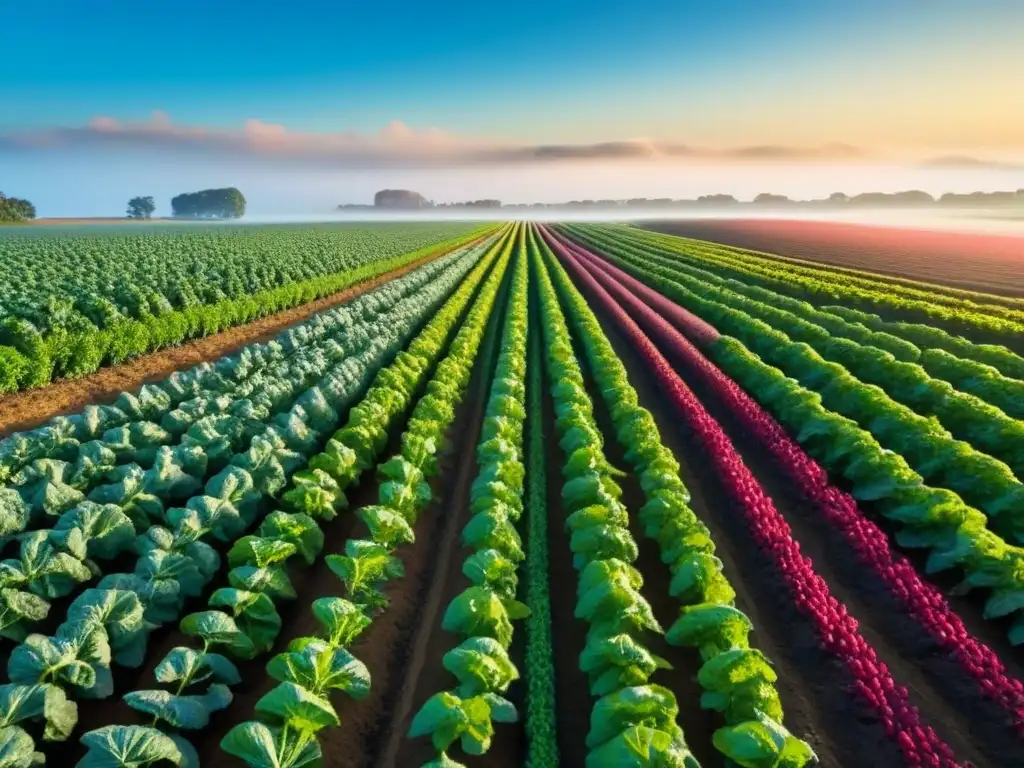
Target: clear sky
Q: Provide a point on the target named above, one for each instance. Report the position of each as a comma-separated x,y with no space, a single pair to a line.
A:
345,96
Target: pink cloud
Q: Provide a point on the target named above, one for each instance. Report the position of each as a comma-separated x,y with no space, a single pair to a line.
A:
396,145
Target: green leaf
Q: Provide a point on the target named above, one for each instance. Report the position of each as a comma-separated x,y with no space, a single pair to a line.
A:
272,580
479,612
254,613
642,747
186,666
120,613
760,742
14,512
217,628
650,705
261,746
343,620
316,495
363,568
321,668
107,530
260,552
489,568
78,655
298,529
19,611
17,750
481,665
387,527
128,746
46,702
711,628
446,718
189,712
295,707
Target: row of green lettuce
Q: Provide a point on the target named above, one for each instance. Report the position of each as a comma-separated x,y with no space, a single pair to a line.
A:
737,679
990,372
239,455
51,329
633,721
482,614
994,322
110,624
848,427
973,446
291,715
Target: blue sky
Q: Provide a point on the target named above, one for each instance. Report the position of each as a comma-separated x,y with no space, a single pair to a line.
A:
892,77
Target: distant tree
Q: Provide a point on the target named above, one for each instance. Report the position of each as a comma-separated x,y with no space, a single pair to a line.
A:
838,197
766,198
717,200
226,203
15,209
399,198
141,207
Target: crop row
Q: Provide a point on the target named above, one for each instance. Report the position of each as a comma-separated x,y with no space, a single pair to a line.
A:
991,324
941,353
848,427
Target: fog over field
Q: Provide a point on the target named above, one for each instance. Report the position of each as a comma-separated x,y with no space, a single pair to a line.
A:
100,182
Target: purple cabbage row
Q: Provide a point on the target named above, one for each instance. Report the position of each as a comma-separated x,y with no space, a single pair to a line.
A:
836,629
921,599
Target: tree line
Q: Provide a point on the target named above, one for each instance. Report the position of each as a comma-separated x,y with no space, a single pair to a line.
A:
225,203
404,199
15,209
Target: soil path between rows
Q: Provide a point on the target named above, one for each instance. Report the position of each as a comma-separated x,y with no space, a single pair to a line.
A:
573,702
423,674
31,408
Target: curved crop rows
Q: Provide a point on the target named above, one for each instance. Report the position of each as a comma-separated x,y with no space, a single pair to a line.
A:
562,495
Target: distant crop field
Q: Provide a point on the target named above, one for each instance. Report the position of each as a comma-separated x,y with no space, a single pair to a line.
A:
74,299
993,263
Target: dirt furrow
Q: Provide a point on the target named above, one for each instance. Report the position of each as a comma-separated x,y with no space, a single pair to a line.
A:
423,674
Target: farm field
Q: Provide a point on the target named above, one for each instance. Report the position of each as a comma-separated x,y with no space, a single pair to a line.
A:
983,262
536,494
75,300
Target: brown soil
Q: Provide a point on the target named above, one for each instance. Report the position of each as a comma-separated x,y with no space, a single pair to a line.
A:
424,674
979,262
31,408
974,728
